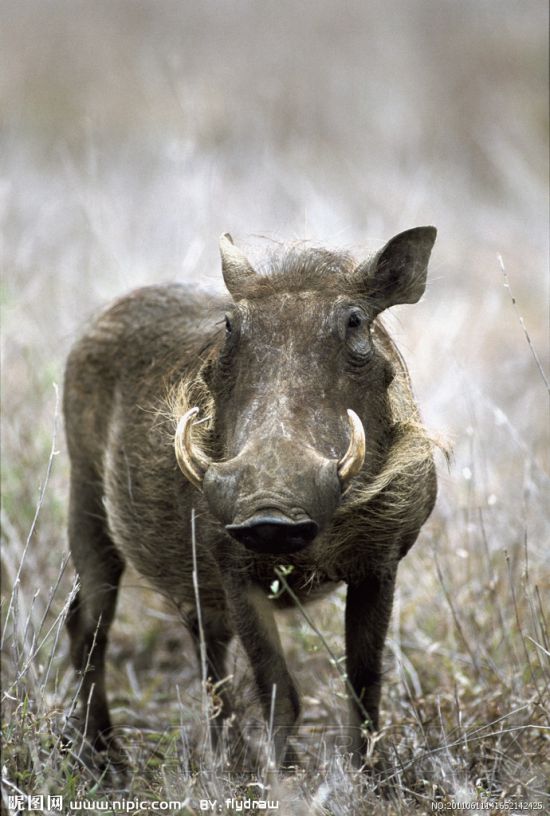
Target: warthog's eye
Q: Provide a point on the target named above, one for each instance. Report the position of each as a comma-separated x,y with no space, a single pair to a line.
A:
228,325
354,320
358,339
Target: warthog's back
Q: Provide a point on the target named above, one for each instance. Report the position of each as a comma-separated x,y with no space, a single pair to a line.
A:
118,431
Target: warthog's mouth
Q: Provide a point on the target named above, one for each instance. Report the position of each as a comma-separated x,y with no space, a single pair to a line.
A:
271,532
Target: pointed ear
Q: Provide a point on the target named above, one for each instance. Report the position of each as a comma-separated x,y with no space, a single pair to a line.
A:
397,273
236,268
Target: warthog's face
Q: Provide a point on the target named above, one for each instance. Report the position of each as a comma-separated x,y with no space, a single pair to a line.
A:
300,389
292,365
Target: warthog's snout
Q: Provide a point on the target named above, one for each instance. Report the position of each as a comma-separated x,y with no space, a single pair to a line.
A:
276,494
269,508
270,531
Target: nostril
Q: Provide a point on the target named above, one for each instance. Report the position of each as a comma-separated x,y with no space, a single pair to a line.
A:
273,534
247,539
305,530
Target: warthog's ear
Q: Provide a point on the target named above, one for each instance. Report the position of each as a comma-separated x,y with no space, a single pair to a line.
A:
237,271
397,273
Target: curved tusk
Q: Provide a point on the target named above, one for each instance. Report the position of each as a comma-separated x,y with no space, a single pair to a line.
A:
352,461
192,462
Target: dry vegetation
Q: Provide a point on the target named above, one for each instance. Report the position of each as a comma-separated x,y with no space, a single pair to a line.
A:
135,133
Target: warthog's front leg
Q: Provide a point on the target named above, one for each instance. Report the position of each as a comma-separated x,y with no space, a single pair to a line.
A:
255,624
217,634
368,610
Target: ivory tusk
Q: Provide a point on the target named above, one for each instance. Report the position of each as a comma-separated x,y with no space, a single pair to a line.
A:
192,462
352,461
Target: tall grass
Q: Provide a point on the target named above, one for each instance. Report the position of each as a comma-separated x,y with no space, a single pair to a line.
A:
135,134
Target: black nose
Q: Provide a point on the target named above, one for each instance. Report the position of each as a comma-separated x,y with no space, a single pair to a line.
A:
267,533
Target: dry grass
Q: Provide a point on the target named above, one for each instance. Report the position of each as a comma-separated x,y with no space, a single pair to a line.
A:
135,134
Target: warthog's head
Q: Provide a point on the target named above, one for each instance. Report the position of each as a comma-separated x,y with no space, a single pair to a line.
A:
300,388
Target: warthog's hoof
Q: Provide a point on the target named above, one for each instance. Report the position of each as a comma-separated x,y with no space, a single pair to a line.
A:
101,756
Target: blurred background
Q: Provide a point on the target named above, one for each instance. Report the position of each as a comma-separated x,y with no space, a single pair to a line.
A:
134,133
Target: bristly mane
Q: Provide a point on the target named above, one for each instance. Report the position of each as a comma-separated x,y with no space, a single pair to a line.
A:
301,267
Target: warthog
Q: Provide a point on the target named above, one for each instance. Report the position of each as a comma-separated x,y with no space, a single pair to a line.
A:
294,425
